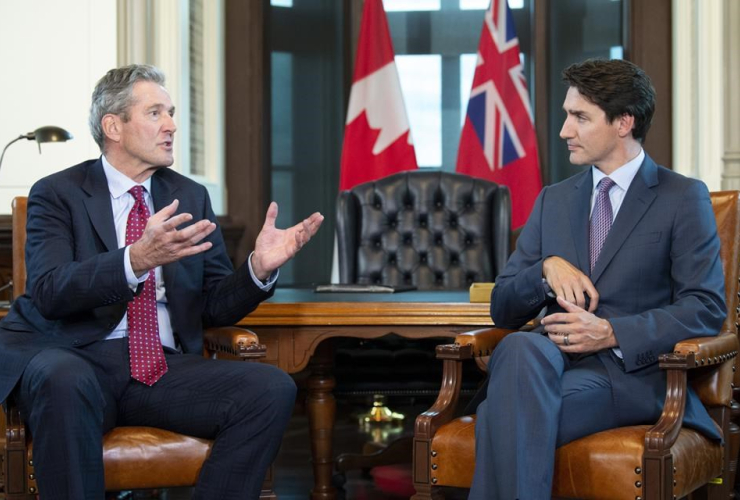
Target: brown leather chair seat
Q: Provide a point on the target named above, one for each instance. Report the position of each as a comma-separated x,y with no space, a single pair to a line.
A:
581,466
139,457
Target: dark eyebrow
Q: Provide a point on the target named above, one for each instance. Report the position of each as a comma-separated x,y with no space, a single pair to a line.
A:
575,112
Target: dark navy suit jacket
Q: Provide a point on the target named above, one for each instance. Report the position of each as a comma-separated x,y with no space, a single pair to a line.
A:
77,291
659,276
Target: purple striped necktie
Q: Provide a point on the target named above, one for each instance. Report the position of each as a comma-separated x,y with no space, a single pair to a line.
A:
144,345
601,219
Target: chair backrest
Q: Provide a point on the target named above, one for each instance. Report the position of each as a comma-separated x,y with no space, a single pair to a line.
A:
726,205
19,245
430,229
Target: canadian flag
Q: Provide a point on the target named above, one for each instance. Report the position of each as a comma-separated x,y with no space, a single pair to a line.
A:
377,139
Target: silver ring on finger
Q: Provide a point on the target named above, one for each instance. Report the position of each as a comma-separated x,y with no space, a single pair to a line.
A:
566,340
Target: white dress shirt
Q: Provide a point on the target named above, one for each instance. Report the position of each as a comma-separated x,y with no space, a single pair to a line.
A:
622,177
122,202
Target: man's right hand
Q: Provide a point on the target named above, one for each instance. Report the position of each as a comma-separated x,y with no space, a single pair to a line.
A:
162,243
568,282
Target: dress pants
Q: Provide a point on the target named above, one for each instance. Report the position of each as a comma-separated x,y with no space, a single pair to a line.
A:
537,399
70,397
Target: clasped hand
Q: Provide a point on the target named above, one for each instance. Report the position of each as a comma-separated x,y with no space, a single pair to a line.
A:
577,330
163,243
568,282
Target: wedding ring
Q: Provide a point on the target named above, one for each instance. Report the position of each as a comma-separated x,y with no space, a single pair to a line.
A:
566,341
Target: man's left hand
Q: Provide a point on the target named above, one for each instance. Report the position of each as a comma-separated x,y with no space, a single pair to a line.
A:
578,330
275,247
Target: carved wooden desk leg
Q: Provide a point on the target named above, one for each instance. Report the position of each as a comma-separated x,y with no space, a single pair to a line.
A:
321,415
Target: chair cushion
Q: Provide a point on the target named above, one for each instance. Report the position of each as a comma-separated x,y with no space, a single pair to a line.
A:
140,457
602,465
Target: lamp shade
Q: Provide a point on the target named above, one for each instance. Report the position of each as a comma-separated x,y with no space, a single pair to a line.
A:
49,133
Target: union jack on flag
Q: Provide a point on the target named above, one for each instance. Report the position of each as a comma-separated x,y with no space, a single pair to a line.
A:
498,140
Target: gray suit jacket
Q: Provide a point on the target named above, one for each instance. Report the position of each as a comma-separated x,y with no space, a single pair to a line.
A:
77,290
659,275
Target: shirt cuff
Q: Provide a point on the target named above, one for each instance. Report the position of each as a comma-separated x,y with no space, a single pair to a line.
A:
268,283
133,281
548,290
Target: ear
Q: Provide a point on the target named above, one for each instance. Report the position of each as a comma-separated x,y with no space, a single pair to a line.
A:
626,124
112,127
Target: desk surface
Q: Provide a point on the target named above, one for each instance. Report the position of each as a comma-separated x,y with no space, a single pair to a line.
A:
286,295
294,306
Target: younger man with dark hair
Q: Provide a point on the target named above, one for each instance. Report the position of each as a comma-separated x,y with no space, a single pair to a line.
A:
625,257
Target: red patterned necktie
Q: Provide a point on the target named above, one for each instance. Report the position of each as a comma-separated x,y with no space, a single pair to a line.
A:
144,345
601,218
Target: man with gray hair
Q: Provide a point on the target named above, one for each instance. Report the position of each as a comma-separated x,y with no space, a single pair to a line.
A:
126,265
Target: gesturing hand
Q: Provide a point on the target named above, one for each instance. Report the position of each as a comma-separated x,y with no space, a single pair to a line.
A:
163,243
578,330
274,247
568,282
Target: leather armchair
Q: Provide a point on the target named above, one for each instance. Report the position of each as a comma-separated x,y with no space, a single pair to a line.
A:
430,229
134,457
659,461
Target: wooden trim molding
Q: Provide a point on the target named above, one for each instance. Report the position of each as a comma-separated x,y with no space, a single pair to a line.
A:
648,44
247,113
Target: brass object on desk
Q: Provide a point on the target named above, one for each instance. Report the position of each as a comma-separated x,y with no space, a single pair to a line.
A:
380,413
381,434
481,292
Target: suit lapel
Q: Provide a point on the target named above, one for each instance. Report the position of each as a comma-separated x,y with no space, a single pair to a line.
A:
163,193
580,207
98,205
636,202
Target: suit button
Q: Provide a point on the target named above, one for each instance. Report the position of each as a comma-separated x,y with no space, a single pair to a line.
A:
76,342
111,326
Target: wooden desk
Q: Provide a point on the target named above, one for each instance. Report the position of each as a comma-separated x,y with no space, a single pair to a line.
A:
294,323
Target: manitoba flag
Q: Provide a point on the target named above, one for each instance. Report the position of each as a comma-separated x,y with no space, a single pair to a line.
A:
498,140
377,139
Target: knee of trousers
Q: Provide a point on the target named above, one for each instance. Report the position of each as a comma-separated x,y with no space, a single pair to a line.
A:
61,380
528,348
274,393
283,392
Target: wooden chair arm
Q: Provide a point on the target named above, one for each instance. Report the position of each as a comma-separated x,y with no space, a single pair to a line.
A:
233,342
468,345
712,354
709,350
444,408
481,342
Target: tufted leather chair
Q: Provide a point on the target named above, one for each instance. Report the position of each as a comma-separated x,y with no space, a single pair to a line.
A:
430,229
134,457
660,461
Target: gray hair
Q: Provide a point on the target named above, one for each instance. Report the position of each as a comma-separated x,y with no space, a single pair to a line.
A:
113,94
